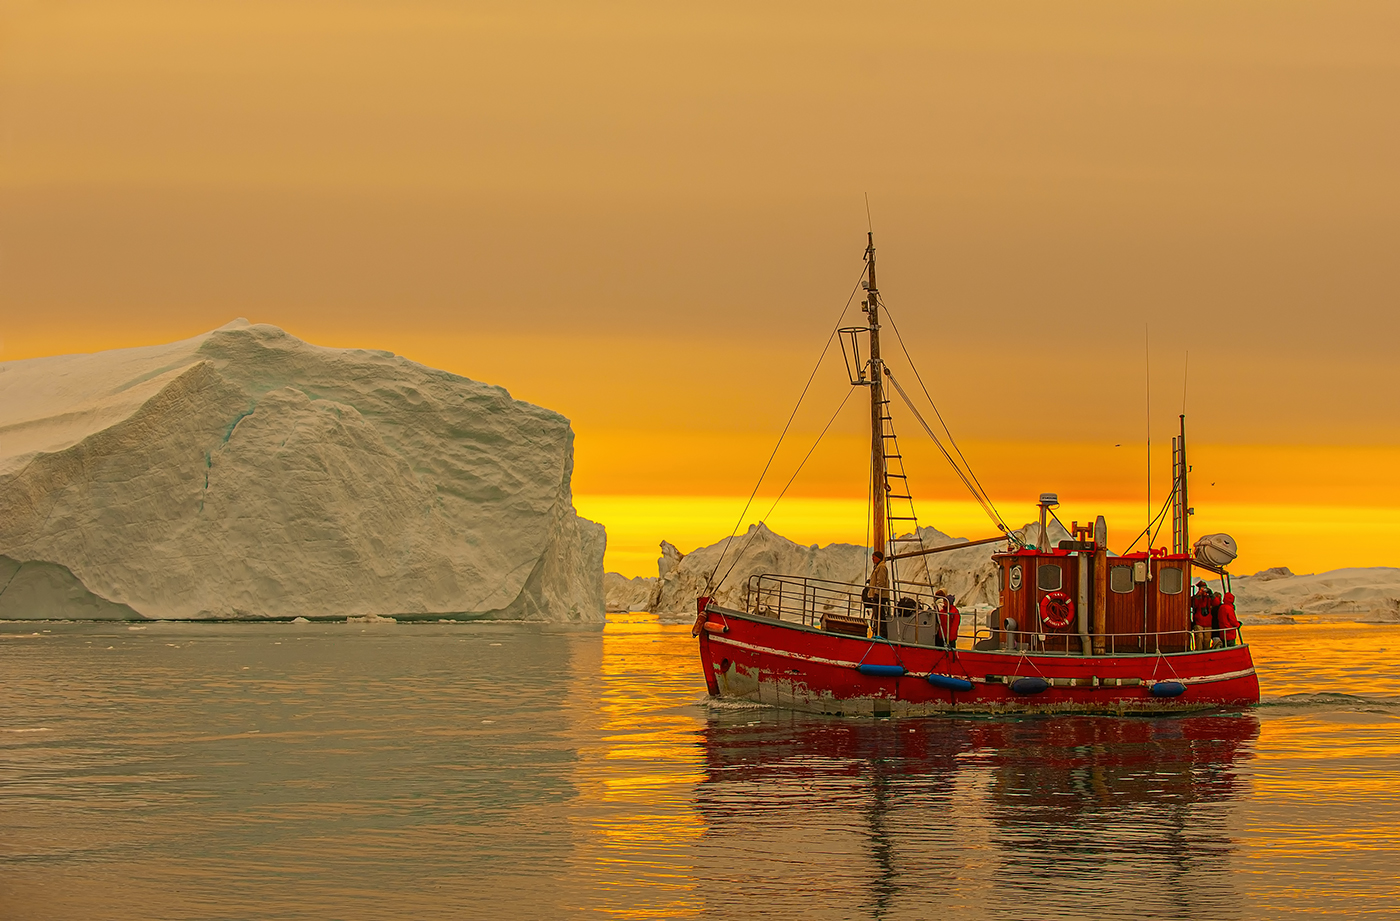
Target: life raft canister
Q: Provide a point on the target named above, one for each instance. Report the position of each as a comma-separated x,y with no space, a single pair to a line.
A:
1056,610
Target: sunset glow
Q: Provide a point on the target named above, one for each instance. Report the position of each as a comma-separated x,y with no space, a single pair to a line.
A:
648,219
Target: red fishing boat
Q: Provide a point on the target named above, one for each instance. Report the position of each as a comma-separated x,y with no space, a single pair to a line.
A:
1078,628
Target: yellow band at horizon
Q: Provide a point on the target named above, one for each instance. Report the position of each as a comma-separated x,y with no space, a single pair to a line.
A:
1305,538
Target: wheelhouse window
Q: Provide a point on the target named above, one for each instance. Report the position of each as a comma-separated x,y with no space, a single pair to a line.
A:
1049,577
1120,579
1169,581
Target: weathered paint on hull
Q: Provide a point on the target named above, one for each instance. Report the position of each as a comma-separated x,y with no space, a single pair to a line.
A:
801,668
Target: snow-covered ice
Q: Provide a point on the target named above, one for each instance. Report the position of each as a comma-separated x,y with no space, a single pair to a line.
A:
967,573
621,594
245,473
1369,594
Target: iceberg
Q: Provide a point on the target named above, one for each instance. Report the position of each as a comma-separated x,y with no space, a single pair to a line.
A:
1368,594
1273,596
245,473
622,594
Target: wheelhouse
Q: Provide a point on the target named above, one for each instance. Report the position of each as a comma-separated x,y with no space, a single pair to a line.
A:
1079,599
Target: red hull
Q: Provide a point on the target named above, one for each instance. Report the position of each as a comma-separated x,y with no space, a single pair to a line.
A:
802,668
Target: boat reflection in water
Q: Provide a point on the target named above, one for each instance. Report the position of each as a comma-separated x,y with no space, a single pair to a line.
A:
1068,816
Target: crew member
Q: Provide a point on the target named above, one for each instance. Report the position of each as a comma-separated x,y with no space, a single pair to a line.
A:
1200,615
877,595
1215,631
949,619
1229,620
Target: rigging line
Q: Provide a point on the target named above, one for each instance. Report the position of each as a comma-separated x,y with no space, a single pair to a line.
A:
1145,531
739,555
914,514
944,451
869,514
1161,517
951,440
800,398
981,500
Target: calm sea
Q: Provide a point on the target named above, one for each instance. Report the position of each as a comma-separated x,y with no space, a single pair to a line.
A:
355,771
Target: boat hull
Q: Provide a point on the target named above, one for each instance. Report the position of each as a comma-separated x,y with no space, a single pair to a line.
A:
788,665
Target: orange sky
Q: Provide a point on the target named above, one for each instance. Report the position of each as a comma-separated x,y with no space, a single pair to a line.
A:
647,217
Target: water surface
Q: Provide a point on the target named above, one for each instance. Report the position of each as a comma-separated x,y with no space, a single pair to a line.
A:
472,771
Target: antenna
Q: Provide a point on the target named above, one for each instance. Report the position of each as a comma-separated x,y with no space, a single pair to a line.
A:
869,224
1147,366
1185,374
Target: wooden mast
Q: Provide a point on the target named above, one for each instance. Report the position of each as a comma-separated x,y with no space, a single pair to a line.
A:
879,483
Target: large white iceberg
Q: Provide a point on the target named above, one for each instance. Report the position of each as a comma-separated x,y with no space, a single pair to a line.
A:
245,473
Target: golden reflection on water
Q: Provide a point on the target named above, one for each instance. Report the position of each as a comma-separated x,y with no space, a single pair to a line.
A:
636,770
1323,821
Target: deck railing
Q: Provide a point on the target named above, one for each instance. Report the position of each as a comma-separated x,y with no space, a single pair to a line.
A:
910,617
809,601
1121,644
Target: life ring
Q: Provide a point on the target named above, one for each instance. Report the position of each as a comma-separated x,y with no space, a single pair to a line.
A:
1056,610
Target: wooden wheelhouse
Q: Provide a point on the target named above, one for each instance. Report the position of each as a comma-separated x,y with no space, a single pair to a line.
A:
1137,603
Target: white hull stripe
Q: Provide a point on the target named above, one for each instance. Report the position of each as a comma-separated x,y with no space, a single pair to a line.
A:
839,663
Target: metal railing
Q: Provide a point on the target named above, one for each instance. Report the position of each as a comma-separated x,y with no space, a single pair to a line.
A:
908,609
1112,644
911,618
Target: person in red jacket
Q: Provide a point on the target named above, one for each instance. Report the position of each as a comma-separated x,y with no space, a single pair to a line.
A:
948,622
1200,616
1229,621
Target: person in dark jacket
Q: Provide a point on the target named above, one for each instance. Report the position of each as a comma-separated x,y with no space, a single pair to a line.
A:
877,596
1200,616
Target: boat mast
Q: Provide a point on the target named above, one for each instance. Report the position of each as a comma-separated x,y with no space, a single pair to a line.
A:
879,484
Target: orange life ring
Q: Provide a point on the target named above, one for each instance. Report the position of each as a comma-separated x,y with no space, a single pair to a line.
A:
1056,610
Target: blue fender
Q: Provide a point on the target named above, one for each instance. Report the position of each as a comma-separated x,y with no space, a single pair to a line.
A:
949,682
881,671
1029,685
1168,689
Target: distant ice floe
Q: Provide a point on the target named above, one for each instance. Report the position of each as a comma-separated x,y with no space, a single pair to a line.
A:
1361,595
1274,596
247,474
621,594
967,573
